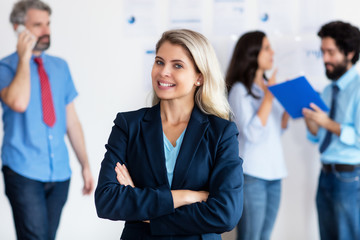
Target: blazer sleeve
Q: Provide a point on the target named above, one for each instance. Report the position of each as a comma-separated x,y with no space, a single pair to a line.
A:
112,199
223,208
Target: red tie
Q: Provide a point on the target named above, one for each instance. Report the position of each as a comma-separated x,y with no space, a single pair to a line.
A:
46,97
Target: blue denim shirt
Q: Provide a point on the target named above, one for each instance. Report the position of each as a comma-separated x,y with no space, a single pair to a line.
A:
344,149
30,147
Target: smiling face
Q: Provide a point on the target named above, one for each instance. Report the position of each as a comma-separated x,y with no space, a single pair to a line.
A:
336,63
173,74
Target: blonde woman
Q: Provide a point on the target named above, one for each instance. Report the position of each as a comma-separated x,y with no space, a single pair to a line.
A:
173,170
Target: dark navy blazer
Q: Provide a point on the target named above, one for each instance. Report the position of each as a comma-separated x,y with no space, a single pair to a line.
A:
208,160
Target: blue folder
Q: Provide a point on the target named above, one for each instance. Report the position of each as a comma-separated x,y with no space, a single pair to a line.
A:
296,94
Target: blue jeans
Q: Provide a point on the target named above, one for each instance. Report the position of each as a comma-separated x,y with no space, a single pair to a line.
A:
261,204
36,206
338,205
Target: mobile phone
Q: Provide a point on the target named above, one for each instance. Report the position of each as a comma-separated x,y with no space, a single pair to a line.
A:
20,29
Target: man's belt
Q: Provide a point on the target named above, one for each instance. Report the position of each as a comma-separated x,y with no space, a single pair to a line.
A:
339,167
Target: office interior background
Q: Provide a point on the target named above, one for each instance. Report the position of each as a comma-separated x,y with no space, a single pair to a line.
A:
109,46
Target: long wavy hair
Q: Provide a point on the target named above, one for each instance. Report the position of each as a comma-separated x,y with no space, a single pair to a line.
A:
210,97
244,61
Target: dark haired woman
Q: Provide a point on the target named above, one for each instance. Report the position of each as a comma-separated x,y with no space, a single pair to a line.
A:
260,119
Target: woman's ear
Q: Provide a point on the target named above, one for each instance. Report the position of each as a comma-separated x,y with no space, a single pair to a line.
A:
200,80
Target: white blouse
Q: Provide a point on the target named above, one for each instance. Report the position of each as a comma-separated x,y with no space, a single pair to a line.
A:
259,146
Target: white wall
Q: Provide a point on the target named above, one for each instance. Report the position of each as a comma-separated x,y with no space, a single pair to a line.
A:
107,68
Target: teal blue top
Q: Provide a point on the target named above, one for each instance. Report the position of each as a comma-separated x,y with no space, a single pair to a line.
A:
171,154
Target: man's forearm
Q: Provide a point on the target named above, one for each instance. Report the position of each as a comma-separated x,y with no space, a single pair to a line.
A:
77,141
333,127
17,94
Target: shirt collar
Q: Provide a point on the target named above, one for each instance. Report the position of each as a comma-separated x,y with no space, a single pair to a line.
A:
42,55
345,79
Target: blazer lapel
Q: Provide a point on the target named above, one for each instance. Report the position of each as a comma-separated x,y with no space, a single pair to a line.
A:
194,133
154,144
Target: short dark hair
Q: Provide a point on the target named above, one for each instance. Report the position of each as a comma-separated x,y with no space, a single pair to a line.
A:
346,36
20,9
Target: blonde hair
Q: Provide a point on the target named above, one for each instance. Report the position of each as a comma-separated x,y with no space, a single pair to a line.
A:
210,97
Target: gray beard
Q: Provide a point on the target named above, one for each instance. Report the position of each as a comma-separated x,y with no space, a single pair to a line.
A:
42,46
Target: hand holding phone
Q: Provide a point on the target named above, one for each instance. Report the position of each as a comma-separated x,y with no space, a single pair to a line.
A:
26,41
21,28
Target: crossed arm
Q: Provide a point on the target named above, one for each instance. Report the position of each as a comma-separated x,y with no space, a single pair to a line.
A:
171,212
180,197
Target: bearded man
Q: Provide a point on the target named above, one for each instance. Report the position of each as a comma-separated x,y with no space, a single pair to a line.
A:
338,133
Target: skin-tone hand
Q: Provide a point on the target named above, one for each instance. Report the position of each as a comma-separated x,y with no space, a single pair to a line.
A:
272,79
186,197
320,118
285,120
316,114
266,105
17,94
88,181
180,197
24,47
123,175
77,141
312,126
124,178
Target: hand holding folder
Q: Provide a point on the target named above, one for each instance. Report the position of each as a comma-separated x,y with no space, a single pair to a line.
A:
296,94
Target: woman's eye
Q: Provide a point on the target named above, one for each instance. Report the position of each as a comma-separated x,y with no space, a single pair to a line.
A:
178,66
159,62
